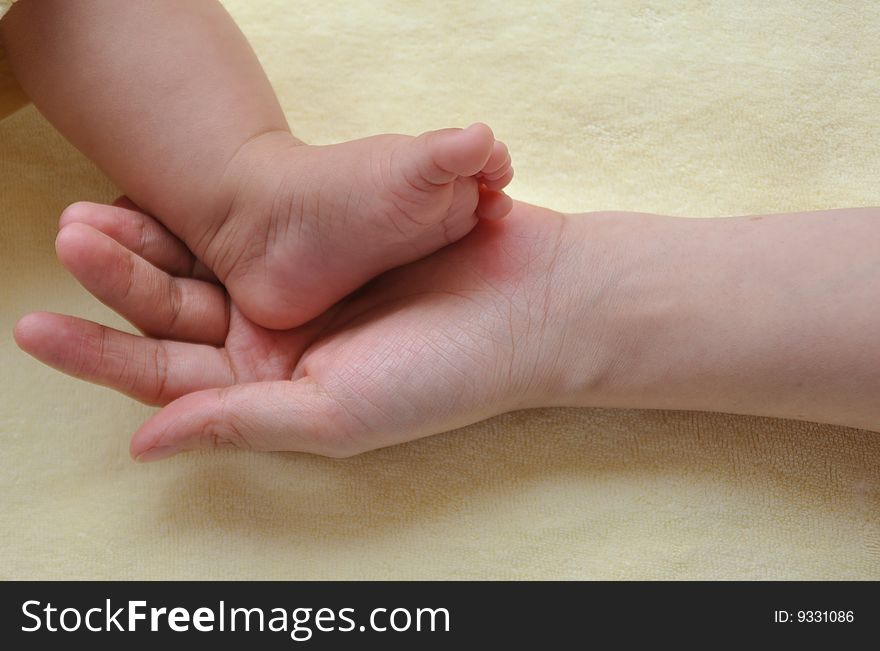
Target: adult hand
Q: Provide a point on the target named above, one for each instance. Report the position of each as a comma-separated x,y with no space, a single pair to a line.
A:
470,332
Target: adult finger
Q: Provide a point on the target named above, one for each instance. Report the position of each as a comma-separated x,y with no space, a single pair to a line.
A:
159,304
295,415
148,370
139,233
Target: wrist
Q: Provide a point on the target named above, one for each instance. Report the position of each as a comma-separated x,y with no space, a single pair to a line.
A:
620,292
571,325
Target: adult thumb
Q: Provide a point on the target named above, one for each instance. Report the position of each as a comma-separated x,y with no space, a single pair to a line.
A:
267,416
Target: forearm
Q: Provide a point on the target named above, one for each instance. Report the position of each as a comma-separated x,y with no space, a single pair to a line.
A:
775,316
160,94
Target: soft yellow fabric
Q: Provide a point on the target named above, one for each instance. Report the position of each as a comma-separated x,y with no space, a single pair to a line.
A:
11,96
687,108
4,6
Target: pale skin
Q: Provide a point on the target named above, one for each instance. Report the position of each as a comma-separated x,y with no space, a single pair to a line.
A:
774,315
168,98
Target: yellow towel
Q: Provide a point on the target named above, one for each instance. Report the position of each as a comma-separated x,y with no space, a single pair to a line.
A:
4,6
11,96
689,108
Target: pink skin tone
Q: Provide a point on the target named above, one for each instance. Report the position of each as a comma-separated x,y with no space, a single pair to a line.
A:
397,360
308,225
192,131
770,315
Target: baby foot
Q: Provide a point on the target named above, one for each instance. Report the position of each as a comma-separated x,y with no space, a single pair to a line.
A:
309,224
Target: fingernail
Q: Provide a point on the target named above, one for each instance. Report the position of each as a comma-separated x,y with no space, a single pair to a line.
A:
154,454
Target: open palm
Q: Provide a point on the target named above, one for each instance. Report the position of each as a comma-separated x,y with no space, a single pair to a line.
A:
438,344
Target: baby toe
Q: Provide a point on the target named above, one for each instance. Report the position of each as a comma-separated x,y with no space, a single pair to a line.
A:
499,161
500,182
493,205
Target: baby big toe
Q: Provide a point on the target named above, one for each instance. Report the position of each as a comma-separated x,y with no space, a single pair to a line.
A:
451,153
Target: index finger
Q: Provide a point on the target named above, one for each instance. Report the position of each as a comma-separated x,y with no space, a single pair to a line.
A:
150,370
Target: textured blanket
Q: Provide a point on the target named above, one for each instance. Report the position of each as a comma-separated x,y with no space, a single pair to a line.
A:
688,108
